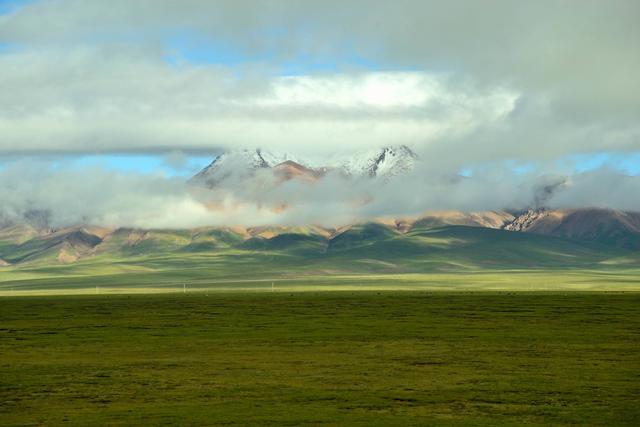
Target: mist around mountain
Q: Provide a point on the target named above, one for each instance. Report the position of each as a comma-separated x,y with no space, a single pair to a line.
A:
294,191
248,188
382,163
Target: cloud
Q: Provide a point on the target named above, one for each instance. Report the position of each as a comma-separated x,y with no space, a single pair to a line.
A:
468,85
585,55
604,187
92,195
176,160
73,195
93,76
92,100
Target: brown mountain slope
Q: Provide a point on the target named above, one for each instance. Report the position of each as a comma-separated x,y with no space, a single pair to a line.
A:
607,226
491,219
289,170
65,245
19,233
19,244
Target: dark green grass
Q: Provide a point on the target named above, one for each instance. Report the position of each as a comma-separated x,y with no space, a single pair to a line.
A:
337,358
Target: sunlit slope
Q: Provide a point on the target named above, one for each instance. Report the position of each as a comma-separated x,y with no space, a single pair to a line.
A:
367,257
63,246
206,255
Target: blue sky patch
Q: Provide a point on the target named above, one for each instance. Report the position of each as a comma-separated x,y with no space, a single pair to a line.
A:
145,163
8,6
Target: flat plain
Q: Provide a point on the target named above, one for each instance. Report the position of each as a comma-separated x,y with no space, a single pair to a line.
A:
321,358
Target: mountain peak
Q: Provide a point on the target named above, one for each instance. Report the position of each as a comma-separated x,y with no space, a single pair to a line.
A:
383,162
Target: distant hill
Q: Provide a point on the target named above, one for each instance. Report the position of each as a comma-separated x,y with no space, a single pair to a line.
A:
67,245
436,241
606,226
491,219
603,226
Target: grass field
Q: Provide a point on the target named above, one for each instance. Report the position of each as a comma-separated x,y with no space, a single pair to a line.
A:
321,358
455,326
210,280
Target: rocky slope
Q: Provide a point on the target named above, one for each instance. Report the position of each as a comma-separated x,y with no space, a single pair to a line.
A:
606,226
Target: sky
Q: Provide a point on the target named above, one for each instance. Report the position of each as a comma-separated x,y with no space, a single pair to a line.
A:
153,90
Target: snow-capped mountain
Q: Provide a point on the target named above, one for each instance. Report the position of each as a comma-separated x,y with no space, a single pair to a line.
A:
385,162
240,164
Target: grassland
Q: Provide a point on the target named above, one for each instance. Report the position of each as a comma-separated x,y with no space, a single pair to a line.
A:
491,328
321,358
208,282
365,257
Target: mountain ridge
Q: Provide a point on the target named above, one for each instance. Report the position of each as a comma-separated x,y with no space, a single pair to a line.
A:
385,162
617,230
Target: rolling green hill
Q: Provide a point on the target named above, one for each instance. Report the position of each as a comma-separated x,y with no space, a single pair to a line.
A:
166,257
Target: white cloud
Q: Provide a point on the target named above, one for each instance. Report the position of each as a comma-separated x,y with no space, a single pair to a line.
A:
491,81
90,76
75,195
92,100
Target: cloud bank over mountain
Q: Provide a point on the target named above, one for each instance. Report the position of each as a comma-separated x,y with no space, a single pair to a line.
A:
69,196
512,80
108,107
495,97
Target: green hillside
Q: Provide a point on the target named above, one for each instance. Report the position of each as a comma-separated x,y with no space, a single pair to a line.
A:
487,248
164,258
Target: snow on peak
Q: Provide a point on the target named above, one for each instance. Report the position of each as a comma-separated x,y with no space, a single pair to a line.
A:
382,162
